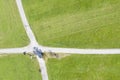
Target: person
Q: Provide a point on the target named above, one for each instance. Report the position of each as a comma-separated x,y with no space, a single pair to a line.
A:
24,53
39,70
31,56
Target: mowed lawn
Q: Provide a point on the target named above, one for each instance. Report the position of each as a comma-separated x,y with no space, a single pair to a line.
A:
18,67
12,33
75,23
85,67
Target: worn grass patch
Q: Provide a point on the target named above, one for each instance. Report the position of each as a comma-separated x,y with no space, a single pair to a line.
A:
12,33
85,67
18,67
75,23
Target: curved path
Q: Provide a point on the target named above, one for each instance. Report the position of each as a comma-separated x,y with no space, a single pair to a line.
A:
34,43
26,25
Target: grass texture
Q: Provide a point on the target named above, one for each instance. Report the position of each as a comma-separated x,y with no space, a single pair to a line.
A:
75,23
85,67
18,67
12,33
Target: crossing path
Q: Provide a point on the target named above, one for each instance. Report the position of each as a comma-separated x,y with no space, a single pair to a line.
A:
34,43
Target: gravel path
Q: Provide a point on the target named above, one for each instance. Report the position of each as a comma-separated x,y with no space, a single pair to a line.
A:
43,68
34,43
81,51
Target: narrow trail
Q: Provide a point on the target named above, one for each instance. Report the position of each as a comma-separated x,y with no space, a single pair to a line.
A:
81,51
43,68
13,50
26,25
33,41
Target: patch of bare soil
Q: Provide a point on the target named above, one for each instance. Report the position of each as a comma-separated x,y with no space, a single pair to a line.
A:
48,55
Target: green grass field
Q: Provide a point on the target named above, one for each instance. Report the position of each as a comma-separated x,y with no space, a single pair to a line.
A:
18,67
75,23
74,67
12,33
85,67
62,23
